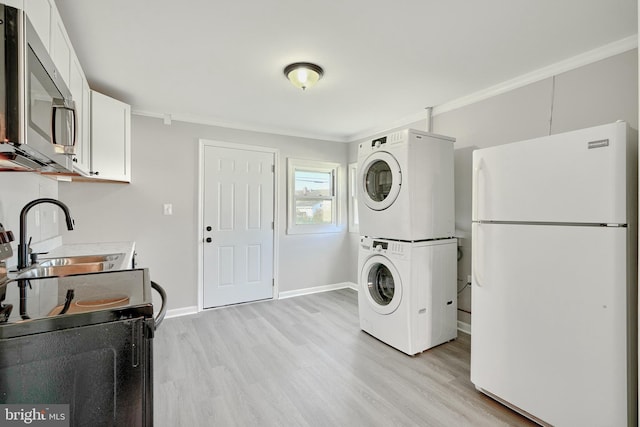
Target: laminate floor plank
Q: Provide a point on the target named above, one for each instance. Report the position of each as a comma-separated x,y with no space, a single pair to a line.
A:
305,362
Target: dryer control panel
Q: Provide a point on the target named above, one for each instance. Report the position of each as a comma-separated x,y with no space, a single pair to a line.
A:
380,245
392,138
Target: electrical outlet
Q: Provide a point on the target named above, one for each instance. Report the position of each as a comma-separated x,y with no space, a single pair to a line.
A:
168,209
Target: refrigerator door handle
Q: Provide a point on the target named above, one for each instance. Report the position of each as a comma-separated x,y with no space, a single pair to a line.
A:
475,226
475,236
475,190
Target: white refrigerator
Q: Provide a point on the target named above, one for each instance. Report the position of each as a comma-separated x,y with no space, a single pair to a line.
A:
554,276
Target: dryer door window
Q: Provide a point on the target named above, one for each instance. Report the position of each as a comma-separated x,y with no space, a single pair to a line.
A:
381,284
380,179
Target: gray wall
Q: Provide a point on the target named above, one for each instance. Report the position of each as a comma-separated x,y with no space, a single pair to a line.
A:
595,94
165,170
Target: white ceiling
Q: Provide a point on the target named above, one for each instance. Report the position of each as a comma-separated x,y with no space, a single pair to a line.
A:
221,61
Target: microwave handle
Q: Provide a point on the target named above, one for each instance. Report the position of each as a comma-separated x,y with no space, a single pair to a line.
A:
55,106
75,127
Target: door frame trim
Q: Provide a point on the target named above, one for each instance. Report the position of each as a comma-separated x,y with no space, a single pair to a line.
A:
202,143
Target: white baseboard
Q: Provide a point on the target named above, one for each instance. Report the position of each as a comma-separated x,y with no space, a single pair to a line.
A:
464,327
184,311
316,289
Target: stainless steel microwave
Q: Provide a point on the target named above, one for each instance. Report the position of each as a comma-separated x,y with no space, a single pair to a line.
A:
37,112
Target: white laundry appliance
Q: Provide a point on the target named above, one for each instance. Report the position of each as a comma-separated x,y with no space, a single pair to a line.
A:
407,292
554,276
405,186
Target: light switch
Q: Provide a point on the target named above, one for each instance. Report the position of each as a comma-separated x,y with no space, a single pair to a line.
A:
168,209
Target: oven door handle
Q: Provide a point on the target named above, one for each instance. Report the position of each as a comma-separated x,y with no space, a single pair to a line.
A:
163,308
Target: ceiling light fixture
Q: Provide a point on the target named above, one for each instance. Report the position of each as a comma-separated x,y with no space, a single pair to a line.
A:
303,74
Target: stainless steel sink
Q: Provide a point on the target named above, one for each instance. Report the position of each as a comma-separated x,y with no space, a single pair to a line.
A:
81,259
65,266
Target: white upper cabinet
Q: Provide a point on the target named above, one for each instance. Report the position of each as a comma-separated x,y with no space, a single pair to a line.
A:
103,124
61,50
80,93
46,20
40,13
110,138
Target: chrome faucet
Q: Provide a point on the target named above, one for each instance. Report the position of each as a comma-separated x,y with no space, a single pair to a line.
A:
23,245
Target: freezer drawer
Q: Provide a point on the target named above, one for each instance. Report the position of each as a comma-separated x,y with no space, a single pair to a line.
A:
551,310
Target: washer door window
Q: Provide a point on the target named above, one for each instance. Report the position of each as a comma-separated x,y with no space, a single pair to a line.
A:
380,179
381,284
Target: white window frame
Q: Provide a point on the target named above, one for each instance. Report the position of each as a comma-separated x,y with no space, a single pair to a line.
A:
354,222
315,166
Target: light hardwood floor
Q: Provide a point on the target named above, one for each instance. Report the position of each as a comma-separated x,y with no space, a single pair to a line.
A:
305,362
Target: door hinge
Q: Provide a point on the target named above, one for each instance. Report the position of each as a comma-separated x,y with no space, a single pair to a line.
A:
273,283
272,225
273,168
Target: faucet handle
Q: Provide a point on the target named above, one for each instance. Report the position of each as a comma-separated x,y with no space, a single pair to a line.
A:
34,256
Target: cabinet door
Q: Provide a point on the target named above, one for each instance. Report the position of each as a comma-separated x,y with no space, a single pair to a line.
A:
39,13
86,127
110,138
60,46
77,85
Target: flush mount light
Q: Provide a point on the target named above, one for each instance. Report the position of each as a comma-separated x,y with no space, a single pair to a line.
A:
303,74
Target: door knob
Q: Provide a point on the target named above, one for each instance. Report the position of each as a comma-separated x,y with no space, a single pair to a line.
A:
208,228
208,239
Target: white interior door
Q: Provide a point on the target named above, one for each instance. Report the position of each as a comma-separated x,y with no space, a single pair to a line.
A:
238,230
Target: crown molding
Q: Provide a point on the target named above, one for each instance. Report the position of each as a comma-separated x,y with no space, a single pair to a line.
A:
569,64
199,120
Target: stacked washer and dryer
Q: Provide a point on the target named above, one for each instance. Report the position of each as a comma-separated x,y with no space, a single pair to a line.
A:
407,260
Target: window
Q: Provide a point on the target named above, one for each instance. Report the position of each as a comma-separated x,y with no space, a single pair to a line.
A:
353,198
312,199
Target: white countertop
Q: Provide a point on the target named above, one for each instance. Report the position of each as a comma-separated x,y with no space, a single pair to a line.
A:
101,248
